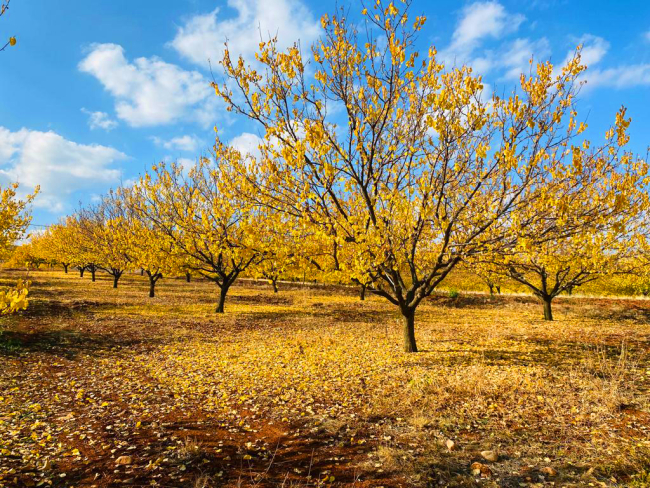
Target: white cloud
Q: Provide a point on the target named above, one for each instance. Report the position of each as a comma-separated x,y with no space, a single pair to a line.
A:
646,36
247,143
189,143
625,76
515,59
594,50
61,167
479,21
202,37
149,91
100,120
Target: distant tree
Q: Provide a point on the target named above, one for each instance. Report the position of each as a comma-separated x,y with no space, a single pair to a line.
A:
584,223
634,272
148,248
55,245
489,274
278,246
27,255
79,235
105,225
215,234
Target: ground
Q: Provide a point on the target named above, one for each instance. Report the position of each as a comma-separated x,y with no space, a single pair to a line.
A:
309,387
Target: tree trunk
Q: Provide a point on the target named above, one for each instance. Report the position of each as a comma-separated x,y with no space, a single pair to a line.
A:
141,271
362,295
275,285
152,286
188,277
498,290
408,317
548,312
92,274
223,291
65,268
116,278
491,286
81,272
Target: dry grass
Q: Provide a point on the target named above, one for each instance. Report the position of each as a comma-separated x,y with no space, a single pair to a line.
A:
309,387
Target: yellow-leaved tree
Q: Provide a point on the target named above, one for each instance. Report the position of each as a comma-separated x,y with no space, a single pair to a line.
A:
211,231
14,220
103,225
28,255
402,162
632,273
79,238
56,245
278,245
149,249
584,221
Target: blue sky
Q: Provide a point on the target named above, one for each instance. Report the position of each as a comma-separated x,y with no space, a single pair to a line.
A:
96,92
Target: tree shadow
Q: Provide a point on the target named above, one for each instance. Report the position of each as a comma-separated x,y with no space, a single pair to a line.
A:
624,312
66,343
549,353
261,299
477,300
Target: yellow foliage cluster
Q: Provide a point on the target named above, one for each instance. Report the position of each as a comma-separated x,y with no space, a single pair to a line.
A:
14,299
14,220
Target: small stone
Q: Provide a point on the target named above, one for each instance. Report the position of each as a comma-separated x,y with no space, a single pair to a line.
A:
491,456
124,460
451,445
548,471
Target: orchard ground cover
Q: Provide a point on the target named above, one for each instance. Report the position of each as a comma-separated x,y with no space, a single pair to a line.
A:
310,387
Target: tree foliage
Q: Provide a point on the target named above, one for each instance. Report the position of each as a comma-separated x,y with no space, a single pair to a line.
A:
404,163
14,220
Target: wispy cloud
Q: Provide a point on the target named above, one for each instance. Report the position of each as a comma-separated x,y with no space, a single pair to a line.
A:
149,91
479,21
515,59
99,120
202,37
624,76
594,51
188,143
247,143
61,167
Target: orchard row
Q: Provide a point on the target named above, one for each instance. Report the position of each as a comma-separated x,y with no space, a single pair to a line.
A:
379,165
